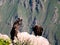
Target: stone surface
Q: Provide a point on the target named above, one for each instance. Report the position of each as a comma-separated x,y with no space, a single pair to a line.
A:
42,12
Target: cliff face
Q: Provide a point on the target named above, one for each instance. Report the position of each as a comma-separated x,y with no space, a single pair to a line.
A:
42,12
